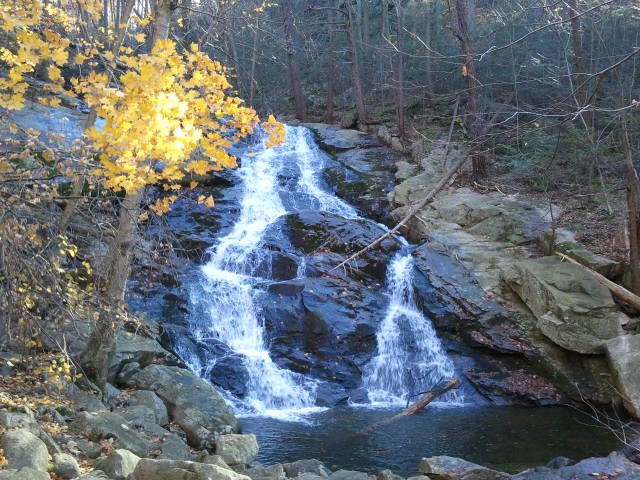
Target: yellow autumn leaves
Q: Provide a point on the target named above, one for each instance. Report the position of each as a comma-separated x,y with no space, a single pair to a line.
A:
167,114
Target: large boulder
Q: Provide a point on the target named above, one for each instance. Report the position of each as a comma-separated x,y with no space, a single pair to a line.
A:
572,308
104,425
148,469
15,419
24,473
192,403
615,466
348,475
623,354
23,449
119,464
452,468
237,449
333,138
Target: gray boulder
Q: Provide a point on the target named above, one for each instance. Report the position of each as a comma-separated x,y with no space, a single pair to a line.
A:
174,448
452,468
388,475
10,420
615,466
24,474
65,466
237,449
95,475
192,403
148,469
213,460
623,354
348,475
103,425
150,400
573,310
294,469
23,449
119,464
132,348
273,472
82,400
137,414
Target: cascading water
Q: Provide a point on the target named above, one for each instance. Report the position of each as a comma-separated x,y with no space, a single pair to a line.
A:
229,281
274,182
410,357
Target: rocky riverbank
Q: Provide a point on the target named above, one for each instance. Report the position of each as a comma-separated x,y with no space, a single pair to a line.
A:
525,328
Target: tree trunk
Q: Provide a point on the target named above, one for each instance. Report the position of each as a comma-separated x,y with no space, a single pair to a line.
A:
399,72
331,70
254,54
579,60
164,11
292,61
633,211
355,73
472,118
101,346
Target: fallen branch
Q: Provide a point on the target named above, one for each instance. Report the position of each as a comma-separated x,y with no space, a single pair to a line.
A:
425,400
414,209
619,291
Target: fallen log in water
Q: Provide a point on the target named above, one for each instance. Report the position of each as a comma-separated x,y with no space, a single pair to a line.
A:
425,400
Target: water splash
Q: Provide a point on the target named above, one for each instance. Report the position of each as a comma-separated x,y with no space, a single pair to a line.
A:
410,357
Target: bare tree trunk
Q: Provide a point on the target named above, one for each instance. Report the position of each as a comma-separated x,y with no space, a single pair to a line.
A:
633,209
472,117
579,59
292,60
399,72
254,54
355,73
331,71
98,354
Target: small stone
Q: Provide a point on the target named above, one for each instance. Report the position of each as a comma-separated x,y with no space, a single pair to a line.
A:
273,472
65,466
213,460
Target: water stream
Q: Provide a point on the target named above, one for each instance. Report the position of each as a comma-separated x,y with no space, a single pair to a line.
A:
275,182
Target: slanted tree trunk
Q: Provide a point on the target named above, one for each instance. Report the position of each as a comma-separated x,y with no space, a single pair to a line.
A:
254,55
292,61
469,70
101,346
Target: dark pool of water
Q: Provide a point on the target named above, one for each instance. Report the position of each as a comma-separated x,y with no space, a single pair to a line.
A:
510,439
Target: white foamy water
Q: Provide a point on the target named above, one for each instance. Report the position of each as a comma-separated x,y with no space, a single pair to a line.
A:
275,182
410,357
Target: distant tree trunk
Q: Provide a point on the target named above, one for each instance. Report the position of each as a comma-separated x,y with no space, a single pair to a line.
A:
254,54
430,17
101,346
399,71
469,70
331,70
633,211
292,60
355,72
579,59
384,52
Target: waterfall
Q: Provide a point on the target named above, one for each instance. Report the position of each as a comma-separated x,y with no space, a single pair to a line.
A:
410,358
275,182
228,282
